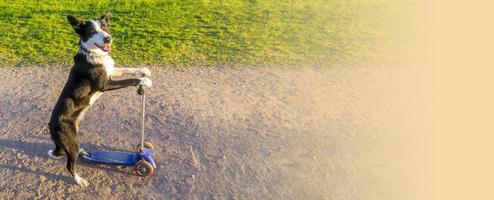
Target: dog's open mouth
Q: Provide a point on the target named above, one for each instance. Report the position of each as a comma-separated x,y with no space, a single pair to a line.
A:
105,47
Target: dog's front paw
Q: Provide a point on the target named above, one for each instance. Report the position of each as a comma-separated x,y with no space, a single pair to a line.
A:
146,82
146,72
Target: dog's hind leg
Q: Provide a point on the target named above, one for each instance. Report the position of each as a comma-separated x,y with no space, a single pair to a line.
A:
72,151
70,142
56,153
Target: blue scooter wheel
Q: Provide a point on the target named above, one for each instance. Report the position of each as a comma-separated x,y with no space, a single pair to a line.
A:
147,145
144,168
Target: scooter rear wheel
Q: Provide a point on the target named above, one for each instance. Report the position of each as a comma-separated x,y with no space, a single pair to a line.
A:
144,168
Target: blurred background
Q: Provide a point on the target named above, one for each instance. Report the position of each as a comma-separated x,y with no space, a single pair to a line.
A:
212,33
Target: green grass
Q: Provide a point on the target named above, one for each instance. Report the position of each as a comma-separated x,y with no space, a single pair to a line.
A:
194,32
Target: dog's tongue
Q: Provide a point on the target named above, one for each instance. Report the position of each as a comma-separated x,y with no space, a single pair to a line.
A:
107,47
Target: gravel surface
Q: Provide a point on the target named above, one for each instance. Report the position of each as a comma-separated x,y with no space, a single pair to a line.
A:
286,132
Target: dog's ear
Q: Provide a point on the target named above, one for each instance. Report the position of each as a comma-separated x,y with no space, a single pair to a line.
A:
75,22
106,17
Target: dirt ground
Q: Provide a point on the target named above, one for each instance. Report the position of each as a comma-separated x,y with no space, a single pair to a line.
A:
286,132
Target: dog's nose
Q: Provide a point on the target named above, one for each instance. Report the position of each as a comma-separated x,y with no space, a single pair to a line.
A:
107,39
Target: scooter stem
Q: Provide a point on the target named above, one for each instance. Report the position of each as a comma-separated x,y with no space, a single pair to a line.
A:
141,92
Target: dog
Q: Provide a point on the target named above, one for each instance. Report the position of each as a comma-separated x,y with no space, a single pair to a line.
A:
91,75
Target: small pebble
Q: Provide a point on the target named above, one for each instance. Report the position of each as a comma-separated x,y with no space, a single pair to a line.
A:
42,178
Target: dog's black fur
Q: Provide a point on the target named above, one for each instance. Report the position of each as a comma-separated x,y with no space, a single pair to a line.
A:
87,80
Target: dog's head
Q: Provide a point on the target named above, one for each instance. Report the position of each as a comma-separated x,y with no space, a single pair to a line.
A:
94,34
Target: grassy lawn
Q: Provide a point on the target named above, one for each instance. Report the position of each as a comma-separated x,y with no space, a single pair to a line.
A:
195,32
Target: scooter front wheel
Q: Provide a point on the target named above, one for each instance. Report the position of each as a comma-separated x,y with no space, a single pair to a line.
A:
144,168
147,145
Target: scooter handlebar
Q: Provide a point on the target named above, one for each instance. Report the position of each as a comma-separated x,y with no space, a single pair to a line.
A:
140,90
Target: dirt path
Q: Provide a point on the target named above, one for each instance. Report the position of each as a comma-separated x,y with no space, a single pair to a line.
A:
223,133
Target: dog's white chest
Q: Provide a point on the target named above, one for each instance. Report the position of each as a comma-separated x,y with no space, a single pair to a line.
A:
94,97
108,64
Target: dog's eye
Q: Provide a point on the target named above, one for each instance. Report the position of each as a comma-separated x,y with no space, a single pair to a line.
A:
93,30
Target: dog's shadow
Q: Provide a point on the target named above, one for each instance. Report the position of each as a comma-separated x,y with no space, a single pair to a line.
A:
32,150
39,150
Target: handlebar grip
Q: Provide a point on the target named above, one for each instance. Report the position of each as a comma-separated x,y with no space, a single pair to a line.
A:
140,90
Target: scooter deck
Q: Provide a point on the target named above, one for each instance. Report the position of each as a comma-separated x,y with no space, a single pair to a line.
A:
117,157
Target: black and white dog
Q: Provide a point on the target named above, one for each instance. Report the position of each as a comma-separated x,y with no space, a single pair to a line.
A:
91,75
